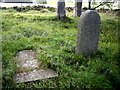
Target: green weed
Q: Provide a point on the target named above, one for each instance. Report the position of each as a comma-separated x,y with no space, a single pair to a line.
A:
54,42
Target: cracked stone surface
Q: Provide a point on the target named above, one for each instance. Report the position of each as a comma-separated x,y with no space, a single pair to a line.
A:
28,68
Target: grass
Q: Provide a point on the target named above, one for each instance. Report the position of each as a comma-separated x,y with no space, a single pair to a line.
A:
55,41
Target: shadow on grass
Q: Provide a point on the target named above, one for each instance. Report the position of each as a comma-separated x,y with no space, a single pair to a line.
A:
53,18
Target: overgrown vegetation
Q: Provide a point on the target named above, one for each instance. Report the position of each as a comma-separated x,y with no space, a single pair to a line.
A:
55,41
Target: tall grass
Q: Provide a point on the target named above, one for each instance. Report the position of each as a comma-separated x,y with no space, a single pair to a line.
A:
55,41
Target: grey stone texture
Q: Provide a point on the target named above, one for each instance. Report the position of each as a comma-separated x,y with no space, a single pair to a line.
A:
78,8
61,14
26,61
37,74
30,69
88,33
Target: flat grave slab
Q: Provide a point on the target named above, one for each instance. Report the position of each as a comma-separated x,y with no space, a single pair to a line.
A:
29,68
35,75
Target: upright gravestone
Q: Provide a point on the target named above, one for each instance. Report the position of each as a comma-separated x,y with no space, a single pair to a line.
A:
88,33
78,7
61,9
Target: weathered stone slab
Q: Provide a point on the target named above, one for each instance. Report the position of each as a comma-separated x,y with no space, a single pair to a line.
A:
88,33
35,75
26,60
26,55
29,68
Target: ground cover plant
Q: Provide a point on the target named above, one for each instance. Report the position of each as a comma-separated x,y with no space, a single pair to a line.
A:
55,42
